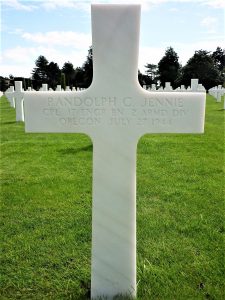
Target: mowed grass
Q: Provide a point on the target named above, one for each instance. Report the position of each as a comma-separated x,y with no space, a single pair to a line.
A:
46,186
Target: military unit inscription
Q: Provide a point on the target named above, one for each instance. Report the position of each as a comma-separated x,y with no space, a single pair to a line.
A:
124,111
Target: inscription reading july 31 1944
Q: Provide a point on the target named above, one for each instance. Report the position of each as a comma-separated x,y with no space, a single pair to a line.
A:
91,111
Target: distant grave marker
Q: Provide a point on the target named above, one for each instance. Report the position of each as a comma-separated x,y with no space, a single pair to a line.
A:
10,96
115,112
44,87
194,85
19,98
168,87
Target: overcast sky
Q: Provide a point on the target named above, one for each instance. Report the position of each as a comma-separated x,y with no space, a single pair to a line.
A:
61,31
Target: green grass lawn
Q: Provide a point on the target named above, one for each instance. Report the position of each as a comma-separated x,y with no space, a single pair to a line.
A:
46,213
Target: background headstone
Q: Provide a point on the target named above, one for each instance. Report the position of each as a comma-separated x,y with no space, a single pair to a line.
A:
19,98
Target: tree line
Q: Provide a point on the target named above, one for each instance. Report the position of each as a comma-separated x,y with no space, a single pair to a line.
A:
208,67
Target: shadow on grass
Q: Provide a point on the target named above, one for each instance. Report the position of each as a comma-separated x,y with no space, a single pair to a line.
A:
222,109
7,123
76,150
87,287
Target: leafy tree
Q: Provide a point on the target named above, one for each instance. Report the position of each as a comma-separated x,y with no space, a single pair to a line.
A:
202,66
79,78
88,69
144,79
4,83
141,78
53,74
69,72
29,82
63,81
169,67
40,73
219,58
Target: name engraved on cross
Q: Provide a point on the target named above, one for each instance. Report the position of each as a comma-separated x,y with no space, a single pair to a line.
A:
115,112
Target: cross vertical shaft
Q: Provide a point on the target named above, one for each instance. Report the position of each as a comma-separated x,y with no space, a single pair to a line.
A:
114,218
115,49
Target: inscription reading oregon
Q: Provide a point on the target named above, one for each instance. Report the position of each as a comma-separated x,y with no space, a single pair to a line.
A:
115,112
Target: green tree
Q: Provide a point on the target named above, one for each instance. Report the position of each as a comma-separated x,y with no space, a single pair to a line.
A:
69,72
144,79
4,83
63,81
202,66
40,72
79,78
219,58
54,74
88,69
169,67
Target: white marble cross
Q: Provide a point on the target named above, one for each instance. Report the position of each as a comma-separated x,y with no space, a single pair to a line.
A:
194,85
115,112
168,87
19,99
10,96
58,88
44,87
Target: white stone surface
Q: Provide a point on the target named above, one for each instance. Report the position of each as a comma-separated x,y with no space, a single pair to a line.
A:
19,99
10,96
44,87
182,88
219,93
194,85
153,87
115,112
168,87
58,88
201,88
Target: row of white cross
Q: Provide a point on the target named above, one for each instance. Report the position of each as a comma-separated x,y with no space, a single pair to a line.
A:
195,87
44,88
15,95
217,92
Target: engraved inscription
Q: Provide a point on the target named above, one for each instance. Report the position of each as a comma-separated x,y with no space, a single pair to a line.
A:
114,111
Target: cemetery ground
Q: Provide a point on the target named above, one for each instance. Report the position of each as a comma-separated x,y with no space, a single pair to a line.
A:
46,182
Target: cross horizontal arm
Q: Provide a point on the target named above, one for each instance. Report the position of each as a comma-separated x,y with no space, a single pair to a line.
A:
134,113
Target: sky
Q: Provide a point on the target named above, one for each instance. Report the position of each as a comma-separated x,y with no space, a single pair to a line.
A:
61,31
